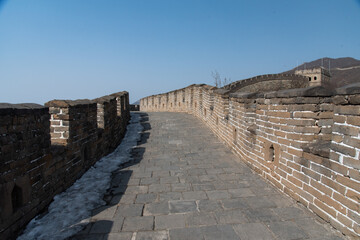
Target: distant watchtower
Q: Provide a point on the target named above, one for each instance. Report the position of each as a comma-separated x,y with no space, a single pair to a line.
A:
317,76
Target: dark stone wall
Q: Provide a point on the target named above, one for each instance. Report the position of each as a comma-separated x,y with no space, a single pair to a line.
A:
44,150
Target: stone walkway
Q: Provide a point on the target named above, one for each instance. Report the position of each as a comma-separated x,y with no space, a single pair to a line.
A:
185,184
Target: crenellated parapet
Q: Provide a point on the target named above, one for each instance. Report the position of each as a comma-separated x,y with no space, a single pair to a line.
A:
45,149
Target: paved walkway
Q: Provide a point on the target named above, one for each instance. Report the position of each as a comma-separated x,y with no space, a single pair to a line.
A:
185,184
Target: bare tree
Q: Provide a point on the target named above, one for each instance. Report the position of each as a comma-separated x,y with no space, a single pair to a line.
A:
218,82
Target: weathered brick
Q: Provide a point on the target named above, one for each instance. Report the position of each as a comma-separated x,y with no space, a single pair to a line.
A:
295,181
353,195
354,99
305,115
346,130
348,182
352,162
347,202
332,184
343,149
353,120
347,110
339,118
324,207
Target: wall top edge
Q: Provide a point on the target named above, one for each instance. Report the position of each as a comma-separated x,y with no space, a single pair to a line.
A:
22,108
317,91
353,88
105,99
78,102
279,76
69,103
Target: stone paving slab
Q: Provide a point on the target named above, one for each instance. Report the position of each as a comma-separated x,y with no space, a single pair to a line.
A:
185,184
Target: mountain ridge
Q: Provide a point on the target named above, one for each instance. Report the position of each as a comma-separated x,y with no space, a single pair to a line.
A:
344,71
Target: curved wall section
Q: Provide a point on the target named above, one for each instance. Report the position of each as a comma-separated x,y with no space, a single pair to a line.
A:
305,141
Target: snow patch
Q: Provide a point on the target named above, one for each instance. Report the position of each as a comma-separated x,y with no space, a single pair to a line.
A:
71,210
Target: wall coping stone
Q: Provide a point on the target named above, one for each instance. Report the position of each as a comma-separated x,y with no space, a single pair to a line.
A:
221,91
246,95
69,103
105,99
21,108
317,91
353,88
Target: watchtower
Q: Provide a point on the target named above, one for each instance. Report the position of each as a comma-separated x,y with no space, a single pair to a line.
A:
317,76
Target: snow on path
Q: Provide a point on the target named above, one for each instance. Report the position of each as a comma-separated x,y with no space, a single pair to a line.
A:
71,210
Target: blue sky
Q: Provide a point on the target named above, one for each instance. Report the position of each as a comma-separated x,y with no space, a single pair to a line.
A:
70,49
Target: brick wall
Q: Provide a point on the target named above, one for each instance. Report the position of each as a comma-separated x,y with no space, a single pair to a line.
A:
45,149
304,141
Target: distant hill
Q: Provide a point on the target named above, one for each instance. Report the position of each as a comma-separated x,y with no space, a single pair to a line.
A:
136,103
343,71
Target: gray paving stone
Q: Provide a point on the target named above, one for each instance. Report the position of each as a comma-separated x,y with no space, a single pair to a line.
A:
261,215
287,230
148,181
209,205
241,192
160,174
129,210
219,232
290,213
119,236
196,172
157,188
260,202
167,196
180,187
159,208
104,212
136,189
208,178
133,182
250,231
314,229
172,179
144,223
155,235
182,206
186,234
214,170
200,219
194,195
234,203
146,198
218,194
127,198
169,221
231,216
203,187
264,191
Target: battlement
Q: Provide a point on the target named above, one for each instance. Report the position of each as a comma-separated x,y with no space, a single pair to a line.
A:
304,141
45,149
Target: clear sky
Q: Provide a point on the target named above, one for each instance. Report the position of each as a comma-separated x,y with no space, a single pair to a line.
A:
70,49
